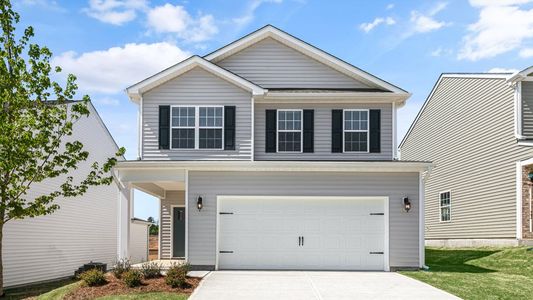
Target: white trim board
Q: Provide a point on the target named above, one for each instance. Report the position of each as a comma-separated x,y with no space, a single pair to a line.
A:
385,199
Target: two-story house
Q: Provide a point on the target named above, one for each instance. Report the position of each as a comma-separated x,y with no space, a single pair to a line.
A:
478,131
270,153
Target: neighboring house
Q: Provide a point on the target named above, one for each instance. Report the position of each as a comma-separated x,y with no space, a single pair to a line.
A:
139,240
270,153
478,131
84,229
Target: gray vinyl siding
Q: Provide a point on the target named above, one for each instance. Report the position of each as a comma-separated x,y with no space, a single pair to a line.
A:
467,130
84,229
322,133
271,64
172,198
196,87
403,227
527,108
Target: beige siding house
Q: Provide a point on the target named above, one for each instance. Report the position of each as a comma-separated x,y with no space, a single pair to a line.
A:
270,153
475,128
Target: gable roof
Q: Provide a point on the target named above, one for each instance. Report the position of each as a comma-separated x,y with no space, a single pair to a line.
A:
135,91
334,62
520,75
449,75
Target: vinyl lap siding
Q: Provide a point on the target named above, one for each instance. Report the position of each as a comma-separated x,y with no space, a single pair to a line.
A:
467,130
271,64
196,87
172,198
403,226
527,108
84,229
322,133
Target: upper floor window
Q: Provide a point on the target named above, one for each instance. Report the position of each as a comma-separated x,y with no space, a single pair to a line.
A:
196,127
445,206
355,130
183,127
290,130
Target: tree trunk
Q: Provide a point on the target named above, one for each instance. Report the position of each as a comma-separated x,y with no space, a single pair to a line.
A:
1,259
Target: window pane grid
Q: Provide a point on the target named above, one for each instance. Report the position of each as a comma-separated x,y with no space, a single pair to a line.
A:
355,130
196,127
289,130
445,206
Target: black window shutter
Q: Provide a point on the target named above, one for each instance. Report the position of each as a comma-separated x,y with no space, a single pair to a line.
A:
229,127
309,128
336,131
164,127
270,134
375,131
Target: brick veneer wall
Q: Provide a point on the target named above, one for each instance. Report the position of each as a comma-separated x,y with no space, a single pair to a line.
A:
526,183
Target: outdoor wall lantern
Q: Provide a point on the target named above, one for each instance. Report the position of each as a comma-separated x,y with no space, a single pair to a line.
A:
199,203
530,176
406,204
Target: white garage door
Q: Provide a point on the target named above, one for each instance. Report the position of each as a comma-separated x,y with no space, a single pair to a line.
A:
309,233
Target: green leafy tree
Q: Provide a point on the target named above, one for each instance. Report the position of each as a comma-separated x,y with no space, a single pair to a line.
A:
154,228
36,124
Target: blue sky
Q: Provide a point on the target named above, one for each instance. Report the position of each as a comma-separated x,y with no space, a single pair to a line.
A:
110,44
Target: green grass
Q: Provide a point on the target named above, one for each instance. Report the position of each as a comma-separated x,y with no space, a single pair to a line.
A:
479,273
148,296
49,290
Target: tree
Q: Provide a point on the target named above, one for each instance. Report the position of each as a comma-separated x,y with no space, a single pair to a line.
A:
36,122
154,228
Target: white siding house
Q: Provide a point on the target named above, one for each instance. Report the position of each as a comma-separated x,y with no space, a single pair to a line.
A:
84,229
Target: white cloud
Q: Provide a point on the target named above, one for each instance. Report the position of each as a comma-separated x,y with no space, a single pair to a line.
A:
502,27
249,13
441,52
367,27
390,6
109,71
44,4
116,12
422,23
526,52
502,70
107,101
175,19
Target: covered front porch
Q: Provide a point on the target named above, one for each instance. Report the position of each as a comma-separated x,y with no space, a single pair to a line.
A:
169,189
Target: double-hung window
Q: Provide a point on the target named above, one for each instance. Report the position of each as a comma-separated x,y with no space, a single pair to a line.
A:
355,130
197,127
290,130
211,127
183,121
445,206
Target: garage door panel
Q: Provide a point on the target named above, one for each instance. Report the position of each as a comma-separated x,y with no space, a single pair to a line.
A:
338,233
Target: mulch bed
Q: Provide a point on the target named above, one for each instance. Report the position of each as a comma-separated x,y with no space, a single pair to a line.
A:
117,287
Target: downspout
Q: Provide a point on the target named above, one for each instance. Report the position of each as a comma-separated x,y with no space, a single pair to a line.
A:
140,120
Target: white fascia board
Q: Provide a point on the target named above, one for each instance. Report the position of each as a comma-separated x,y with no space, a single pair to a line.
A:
519,76
169,167
135,91
328,97
305,48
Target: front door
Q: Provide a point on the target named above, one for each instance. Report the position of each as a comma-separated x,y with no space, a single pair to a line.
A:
178,232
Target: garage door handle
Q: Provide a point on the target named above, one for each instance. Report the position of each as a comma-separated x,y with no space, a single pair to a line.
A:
302,240
299,241
376,252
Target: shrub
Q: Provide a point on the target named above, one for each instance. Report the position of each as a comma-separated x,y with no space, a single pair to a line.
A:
132,278
177,275
93,277
121,266
151,270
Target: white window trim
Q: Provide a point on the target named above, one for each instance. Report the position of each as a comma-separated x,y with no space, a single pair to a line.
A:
441,206
196,128
344,130
291,130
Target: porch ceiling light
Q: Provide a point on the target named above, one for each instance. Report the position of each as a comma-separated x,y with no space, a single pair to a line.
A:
406,204
199,203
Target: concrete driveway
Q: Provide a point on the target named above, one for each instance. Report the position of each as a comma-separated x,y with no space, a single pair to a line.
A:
294,285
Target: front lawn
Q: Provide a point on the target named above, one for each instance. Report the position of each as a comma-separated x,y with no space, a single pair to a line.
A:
479,273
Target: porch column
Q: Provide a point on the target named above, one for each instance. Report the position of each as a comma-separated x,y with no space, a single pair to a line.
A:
124,217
